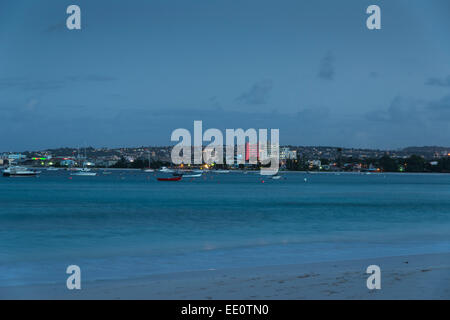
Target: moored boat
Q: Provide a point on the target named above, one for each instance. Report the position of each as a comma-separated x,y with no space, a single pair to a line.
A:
84,172
169,179
198,175
16,171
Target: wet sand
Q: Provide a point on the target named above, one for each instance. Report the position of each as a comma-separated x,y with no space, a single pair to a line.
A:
402,277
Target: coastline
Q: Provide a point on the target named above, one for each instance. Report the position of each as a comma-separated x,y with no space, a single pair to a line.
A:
425,276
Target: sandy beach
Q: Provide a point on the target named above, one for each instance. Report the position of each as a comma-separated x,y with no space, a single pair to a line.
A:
402,277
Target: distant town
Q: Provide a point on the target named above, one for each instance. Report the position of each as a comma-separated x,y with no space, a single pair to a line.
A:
294,158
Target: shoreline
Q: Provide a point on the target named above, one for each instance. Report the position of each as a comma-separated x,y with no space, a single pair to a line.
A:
425,276
257,171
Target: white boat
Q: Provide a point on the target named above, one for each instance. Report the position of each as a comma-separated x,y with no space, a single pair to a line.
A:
222,171
16,171
268,172
276,177
84,172
167,170
198,175
75,169
149,161
52,169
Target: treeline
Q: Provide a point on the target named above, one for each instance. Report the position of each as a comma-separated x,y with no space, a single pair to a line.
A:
386,164
413,163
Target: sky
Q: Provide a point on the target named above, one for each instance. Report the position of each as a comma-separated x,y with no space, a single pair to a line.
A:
137,70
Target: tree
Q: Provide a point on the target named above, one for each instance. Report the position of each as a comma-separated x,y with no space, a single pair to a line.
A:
415,164
388,164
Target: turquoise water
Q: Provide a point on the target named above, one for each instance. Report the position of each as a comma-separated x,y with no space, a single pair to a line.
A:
128,225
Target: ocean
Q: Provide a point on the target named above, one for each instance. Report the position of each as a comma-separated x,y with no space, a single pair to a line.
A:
127,225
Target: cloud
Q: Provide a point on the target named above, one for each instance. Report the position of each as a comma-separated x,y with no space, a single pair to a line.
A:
440,109
437,82
58,27
326,68
313,114
400,110
29,85
258,94
42,85
90,78
414,111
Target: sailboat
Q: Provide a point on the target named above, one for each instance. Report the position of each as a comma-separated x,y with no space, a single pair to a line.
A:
148,169
84,172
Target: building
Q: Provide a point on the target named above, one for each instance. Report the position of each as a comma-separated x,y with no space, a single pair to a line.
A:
287,154
251,152
314,163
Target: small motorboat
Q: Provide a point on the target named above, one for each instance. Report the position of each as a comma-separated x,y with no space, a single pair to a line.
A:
276,177
16,171
169,179
198,175
84,172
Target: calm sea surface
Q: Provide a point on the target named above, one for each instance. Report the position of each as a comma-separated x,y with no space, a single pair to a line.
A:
127,224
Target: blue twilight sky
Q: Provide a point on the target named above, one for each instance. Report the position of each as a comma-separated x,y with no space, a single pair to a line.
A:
139,69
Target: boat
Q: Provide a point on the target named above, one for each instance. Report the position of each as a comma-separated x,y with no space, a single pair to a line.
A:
16,171
165,169
169,179
84,172
52,169
276,177
198,175
268,172
149,161
222,171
